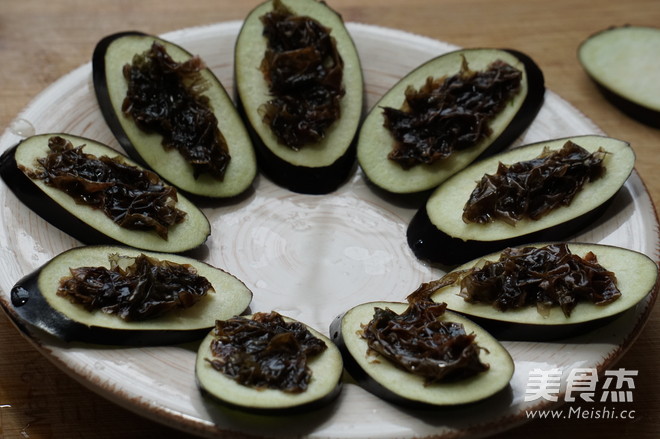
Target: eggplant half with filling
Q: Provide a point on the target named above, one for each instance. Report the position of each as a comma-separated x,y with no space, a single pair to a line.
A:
623,62
171,113
454,109
547,290
545,191
268,363
300,88
99,196
419,355
118,295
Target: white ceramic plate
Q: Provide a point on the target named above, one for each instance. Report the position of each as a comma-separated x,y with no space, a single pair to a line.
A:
309,257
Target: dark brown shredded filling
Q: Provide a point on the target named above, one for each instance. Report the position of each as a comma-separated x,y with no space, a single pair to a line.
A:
145,289
544,277
419,342
449,114
304,71
133,198
165,97
265,352
533,188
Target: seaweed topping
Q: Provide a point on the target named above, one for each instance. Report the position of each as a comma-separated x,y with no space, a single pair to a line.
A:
265,352
304,72
449,114
146,288
165,97
133,198
533,188
545,277
419,342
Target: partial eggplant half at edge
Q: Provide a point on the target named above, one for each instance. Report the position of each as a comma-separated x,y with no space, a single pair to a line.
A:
636,277
437,232
376,142
316,168
89,225
324,386
111,54
380,377
624,63
36,304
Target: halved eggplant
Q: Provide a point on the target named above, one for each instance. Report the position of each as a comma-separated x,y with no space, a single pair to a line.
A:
376,142
636,276
110,56
324,386
85,223
438,233
380,377
35,302
314,168
623,62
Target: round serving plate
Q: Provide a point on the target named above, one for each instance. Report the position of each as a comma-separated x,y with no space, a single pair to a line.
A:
311,258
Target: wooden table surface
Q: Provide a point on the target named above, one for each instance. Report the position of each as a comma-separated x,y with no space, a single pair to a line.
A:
42,40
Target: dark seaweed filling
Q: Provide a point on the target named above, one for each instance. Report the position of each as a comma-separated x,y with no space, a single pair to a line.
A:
146,289
165,97
265,352
133,198
544,277
533,188
419,342
304,71
449,114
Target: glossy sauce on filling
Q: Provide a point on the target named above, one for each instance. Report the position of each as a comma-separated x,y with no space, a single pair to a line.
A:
304,72
265,352
533,188
145,289
133,198
166,97
420,342
449,114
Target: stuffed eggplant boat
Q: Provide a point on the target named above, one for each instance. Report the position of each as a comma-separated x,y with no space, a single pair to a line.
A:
623,62
98,196
267,363
419,355
170,113
122,296
300,87
541,192
547,290
448,112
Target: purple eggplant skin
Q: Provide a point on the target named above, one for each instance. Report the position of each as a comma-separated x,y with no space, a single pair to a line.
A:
103,95
362,377
372,385
528,110
30,309
618,92
34,198
636,111
35,303
321,405
440,236
429,243
299,172
326,384
374,138
301,179
69,216
115,51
